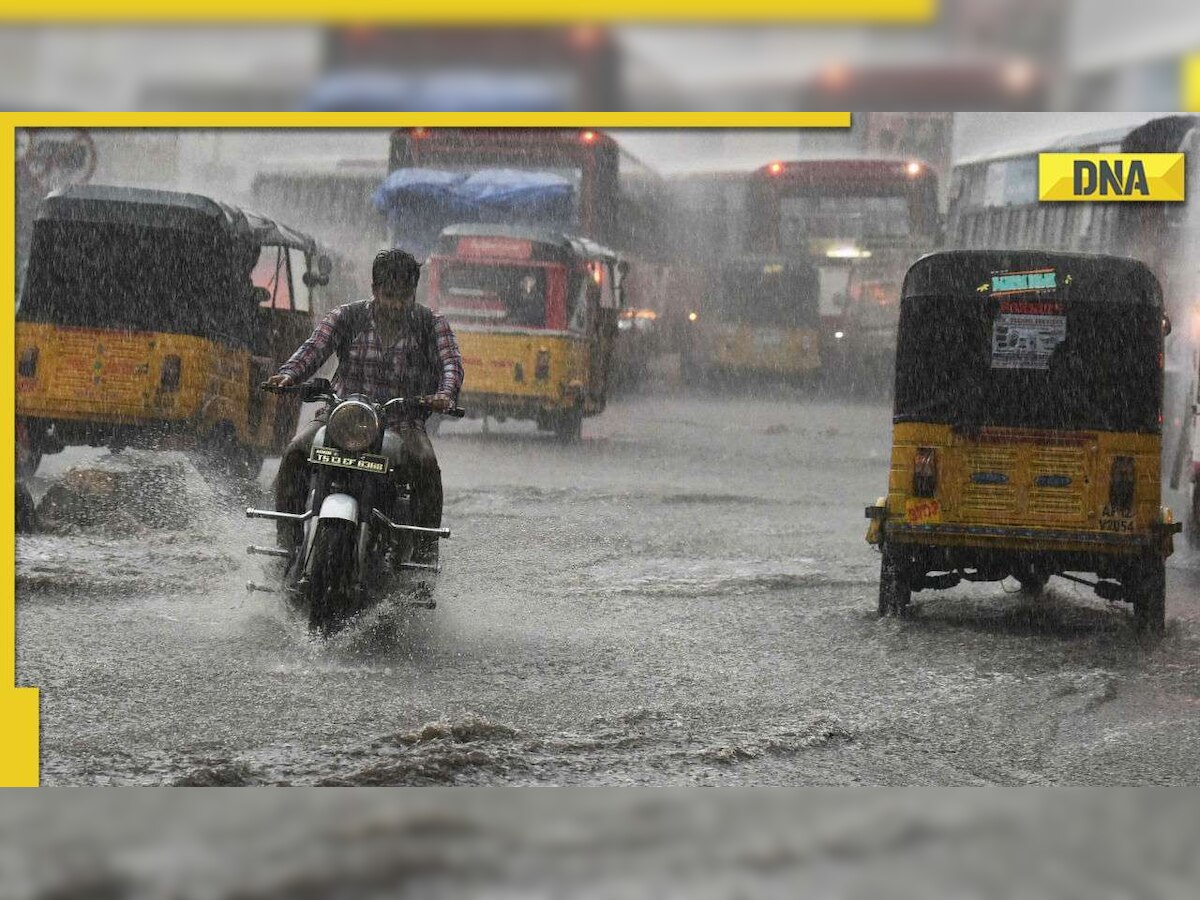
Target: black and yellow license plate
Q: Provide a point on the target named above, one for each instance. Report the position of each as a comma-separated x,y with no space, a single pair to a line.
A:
328,456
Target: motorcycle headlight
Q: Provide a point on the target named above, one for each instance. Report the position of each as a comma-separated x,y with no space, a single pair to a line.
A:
352,427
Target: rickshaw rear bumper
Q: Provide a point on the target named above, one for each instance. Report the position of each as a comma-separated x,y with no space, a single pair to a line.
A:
1029,540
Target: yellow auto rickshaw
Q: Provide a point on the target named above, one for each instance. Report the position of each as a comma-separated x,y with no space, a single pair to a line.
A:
536,315
1027,429
759,316
148,318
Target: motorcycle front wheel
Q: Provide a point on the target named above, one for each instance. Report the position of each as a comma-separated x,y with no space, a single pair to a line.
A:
331,583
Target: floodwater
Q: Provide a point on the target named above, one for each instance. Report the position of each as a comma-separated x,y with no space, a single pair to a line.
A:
683,598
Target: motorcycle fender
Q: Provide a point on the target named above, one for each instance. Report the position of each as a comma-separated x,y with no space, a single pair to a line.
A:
318,438
339,506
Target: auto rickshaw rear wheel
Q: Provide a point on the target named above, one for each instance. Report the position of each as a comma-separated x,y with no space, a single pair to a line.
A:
1148,592
895,589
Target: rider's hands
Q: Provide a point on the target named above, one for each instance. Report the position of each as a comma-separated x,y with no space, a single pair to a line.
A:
280,381
438,402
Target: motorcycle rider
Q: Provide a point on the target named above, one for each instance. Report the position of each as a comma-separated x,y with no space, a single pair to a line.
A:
388,346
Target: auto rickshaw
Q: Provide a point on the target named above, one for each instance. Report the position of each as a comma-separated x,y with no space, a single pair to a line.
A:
759,316
536,316
1027,429
149,318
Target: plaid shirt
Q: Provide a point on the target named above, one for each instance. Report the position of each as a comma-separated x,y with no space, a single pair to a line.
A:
370,368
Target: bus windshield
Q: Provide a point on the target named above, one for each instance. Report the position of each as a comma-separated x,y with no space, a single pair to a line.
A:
1097,367
134,278
493,294
767,296
839,217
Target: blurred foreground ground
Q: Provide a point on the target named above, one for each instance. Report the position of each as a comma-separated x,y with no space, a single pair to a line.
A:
592,844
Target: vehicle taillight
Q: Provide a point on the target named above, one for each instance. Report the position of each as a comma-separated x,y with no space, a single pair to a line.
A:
1120,484
775,168
27,367
925,472
541,370
172,368
419,133
587,136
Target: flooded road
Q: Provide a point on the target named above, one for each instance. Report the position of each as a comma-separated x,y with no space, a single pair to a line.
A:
685,597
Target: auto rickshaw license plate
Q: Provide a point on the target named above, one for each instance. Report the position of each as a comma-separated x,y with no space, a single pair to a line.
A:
327,456
921,512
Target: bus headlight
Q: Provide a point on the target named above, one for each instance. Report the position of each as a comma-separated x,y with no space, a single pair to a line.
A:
352,427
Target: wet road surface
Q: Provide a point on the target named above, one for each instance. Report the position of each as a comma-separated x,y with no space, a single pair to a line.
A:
685,597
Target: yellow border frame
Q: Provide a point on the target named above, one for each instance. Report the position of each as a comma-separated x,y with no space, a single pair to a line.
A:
1191,83
473,12
19,727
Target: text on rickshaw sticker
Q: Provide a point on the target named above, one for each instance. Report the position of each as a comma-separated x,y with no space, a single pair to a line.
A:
920,512
1024,282
1026,342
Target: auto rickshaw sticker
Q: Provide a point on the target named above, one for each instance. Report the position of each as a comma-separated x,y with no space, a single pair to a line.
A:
1031,281
922,512
1026,331
1026,342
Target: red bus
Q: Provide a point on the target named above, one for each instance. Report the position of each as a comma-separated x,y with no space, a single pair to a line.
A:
863,221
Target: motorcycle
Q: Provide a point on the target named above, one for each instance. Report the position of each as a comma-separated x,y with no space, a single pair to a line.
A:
358,536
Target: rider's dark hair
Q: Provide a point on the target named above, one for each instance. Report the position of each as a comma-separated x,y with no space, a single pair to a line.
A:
395,270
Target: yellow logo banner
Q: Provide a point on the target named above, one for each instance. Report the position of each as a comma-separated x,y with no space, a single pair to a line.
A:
1105,177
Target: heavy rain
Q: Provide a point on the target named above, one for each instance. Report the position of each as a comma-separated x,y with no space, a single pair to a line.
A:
657,570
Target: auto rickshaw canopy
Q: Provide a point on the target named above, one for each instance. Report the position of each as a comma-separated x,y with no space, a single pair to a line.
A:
145,260
1030,339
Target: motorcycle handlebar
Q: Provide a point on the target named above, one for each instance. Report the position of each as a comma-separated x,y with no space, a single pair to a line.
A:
455,412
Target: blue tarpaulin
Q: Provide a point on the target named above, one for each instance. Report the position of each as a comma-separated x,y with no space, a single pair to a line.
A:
419,203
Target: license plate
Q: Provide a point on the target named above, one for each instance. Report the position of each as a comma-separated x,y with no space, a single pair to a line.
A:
328,456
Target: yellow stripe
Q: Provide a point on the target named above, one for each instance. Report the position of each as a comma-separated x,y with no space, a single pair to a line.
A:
18,707
474,11
1191,83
